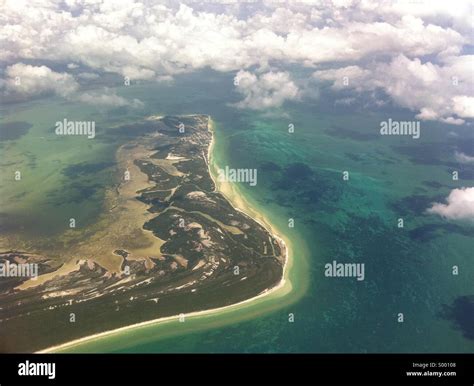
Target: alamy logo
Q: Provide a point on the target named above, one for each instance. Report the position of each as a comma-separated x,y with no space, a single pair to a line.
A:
66,127
8,269
42,369
336,269
238,175
400,128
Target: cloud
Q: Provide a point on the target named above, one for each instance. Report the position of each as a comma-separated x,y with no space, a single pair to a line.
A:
436,92
23,81
463,105
463,158
460,205
107,98
269,90
148,41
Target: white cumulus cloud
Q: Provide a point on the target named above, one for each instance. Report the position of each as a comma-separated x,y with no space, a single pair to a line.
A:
460,205
436,91
264,91
24,81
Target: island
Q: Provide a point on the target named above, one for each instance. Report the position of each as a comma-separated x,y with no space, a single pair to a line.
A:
168,243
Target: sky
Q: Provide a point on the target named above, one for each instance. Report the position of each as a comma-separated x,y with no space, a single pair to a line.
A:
414,54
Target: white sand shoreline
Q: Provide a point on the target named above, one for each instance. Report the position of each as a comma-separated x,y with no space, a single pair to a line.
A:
228,194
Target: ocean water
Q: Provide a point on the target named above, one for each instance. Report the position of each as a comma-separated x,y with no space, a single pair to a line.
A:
300,176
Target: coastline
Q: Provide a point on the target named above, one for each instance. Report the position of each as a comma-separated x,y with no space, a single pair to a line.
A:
239,202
